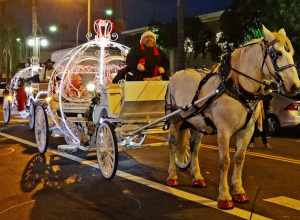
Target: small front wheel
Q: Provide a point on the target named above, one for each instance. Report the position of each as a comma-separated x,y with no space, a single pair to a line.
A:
6,110
107,150
41,129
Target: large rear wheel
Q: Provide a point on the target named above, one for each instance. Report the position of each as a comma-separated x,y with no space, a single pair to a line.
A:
107,150
41,129
31,120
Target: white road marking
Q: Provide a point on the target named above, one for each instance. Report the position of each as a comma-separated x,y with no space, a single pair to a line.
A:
244,214
285,201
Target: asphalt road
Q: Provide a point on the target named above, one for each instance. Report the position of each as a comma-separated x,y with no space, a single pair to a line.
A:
65,186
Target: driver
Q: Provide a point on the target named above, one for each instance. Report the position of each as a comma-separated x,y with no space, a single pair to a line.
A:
145,62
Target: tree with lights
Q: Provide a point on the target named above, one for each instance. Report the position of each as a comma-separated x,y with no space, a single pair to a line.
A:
275,14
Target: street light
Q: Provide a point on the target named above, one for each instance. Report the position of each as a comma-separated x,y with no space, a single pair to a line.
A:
53,28
18,40
44,42
30,42
109,12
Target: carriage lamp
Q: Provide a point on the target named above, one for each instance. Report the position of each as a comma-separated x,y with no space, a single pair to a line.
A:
91,87
28,89
48,99
9,98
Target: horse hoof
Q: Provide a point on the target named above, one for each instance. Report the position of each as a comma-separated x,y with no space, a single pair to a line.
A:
200,183
172,182
240,198
225,204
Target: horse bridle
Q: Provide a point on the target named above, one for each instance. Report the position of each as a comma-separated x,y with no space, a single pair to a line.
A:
274,55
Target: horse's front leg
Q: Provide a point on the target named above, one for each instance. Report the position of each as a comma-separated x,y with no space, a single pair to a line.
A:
195,144
224,198
172,179
242,141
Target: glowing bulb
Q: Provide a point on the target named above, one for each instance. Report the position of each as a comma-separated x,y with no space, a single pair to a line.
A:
44,43
28,89
48,99
9,98
91,87
30,42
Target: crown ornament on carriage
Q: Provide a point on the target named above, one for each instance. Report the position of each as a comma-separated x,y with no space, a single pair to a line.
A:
104,30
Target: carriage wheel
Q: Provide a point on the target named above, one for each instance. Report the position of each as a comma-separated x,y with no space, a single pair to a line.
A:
41,129
31,120
184,160
107,150
6,110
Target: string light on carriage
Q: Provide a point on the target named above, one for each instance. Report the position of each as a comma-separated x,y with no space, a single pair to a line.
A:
48,99
28,89
9,98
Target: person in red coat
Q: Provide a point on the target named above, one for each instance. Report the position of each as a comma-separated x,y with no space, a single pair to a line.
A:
21,96
145,62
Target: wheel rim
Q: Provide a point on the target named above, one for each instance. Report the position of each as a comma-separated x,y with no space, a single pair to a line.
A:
31,116
184,160
6,110
41,129
106,151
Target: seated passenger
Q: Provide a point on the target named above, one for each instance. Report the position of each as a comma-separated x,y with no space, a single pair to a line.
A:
146,62
75,88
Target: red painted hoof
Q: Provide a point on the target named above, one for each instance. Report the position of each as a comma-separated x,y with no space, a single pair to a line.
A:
225,204
172,182
201,183
240,198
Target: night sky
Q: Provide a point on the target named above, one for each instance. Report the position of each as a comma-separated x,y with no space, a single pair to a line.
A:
137,13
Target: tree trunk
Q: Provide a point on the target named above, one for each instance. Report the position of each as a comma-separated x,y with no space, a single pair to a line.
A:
180,56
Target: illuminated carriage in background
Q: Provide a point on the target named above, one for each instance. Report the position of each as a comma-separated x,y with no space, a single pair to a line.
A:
28,80
90,112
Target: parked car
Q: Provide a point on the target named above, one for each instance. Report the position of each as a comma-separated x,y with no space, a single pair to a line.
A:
284,112
2,88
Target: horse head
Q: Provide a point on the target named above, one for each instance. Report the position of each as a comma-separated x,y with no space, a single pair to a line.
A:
279,60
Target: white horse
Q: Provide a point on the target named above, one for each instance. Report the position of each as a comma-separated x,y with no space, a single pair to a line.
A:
252,65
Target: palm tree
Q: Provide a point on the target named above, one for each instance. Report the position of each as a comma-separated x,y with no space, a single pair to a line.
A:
180,56
10,49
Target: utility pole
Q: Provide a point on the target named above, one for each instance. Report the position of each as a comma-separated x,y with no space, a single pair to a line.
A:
89,19
180,56
36,47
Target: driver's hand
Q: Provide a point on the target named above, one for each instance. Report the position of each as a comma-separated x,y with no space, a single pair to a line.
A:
161,70
141,67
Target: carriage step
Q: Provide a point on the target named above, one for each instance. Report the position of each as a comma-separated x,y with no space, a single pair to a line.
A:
68,148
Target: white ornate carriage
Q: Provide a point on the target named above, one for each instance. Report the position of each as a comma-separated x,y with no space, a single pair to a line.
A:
33,88
89,111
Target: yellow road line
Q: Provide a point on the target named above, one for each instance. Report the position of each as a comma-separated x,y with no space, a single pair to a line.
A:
261,155
253,154
285,201
244,214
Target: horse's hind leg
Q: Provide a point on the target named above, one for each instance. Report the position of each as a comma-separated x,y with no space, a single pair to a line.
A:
195,144
242,141
174,139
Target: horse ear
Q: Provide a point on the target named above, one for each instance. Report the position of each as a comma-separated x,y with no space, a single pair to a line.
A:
282,31
268,35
